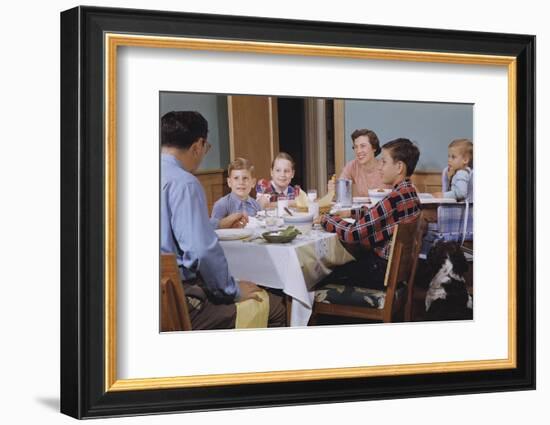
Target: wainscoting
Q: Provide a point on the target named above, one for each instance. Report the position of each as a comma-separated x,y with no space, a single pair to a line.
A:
214,185
427,181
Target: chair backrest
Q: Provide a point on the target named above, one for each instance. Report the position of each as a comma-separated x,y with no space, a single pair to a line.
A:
401,259
174,314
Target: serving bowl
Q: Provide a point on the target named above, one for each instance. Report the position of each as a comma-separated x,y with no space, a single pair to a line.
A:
301,220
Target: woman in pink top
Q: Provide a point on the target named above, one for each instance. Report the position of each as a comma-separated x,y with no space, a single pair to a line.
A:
364,169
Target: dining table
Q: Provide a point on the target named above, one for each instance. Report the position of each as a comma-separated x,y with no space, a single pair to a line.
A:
428,203
294,267
297,266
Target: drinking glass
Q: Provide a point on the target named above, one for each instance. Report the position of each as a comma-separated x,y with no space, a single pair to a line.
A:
313,208
312,194
271,218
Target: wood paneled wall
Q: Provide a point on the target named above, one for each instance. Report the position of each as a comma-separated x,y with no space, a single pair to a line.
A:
427,181
254,131
214,184
339,136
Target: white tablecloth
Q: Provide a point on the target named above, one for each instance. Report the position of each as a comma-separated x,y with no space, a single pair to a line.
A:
294,267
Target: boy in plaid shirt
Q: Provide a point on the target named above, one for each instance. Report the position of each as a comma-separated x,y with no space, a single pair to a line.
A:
373,227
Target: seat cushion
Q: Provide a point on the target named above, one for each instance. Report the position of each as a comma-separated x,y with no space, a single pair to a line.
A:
333,293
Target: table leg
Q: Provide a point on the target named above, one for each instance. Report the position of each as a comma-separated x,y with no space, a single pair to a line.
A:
288,305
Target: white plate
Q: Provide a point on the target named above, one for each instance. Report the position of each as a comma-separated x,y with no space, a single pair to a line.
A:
298,217
379,193
437,201
233,234
361,199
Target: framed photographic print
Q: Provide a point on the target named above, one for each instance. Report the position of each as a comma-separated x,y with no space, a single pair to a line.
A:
133,340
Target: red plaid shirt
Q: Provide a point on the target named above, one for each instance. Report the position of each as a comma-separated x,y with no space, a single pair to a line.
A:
266,186
374,226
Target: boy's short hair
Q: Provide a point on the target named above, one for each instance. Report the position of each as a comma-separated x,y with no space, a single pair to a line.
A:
405,151
283,155
180,129
240,164
373,138
466,148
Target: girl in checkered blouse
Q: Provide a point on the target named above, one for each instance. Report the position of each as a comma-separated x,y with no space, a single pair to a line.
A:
282,172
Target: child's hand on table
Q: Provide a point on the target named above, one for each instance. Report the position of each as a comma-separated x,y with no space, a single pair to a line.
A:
233,221
263,200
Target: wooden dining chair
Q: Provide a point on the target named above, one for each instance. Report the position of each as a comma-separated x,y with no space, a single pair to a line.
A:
422,227
381,305
174,314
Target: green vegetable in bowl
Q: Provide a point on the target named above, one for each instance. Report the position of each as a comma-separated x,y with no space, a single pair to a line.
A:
290,230
281,236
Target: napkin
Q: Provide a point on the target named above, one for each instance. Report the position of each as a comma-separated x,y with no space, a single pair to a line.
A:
302,200
252,313
326,200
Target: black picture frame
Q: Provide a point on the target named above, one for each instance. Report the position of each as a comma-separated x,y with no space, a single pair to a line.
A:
83,393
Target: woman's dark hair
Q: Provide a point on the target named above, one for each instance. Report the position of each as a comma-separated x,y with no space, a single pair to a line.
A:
373,138
181,129
405,151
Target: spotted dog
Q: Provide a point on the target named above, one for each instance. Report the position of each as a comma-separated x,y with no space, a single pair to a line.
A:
447,297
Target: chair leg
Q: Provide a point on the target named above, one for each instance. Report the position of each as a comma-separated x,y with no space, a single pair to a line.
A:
409,306
312,319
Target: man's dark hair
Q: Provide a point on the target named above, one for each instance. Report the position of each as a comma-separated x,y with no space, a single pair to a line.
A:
405,151
181,129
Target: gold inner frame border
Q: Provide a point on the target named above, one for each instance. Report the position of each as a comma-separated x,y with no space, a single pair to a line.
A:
112,41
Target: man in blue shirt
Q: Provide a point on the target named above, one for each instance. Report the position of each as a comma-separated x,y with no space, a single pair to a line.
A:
187,231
